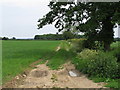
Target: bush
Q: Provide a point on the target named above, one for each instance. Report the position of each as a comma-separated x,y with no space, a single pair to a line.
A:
64,45
68,35
116,50
96,63
116,53
87,54
77,45
82,59
103,65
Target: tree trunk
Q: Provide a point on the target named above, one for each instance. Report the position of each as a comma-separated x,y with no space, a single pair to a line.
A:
106,46
106,34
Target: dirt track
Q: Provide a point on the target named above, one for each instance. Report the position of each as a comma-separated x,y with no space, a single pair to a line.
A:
43,77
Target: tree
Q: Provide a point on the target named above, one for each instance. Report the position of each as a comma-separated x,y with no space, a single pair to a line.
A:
49,37
13,38
95,19
68,35
5,38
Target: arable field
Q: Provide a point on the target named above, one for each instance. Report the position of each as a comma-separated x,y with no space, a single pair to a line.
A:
18,55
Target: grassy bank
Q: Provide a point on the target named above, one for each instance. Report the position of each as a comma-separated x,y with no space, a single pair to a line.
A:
100,66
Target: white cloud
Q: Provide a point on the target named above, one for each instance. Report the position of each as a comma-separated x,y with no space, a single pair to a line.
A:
24,3
22,15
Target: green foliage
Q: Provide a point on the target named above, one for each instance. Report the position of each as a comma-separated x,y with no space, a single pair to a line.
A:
98,79
116,39
103,65
13,38
100,15
113,84
54,78
49,37
68,35
77,45
88,54
98,45
5,38
83,58
96,63
65,45
60,58
116,50
64,36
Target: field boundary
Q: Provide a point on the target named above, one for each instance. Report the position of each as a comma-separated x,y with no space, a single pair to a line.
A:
34,63
18,79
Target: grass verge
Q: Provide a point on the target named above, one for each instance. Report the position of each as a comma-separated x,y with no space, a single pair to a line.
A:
60,58
112,83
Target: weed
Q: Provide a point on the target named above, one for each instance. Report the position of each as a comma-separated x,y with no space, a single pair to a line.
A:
54,78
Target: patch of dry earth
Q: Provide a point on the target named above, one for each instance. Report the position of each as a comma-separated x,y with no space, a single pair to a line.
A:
43,77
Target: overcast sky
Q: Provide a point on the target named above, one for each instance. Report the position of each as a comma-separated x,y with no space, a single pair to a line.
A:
18,18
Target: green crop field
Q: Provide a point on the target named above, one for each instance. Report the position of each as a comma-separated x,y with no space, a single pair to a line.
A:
18,55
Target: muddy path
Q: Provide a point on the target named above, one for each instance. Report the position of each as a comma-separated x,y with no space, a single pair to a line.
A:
43,77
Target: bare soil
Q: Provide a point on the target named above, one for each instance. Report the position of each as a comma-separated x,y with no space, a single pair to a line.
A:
19,79
43,77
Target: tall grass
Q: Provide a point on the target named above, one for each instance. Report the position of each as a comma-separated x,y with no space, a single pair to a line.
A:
60,58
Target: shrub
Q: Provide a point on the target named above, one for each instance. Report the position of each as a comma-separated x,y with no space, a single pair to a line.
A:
116,50
87,54
68,35
103,65
82,59
116,53
99,45
77,45
96,63
65,45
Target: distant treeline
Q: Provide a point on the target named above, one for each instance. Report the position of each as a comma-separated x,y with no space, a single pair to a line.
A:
6,38
117,39
50,37
54,37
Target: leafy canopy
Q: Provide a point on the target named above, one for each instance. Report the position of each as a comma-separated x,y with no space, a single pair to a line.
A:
95,19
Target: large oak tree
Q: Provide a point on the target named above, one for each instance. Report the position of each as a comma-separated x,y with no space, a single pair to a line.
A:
95,19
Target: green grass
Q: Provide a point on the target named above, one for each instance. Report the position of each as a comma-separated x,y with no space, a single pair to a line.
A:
112,83
65,45
18,55
60,58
